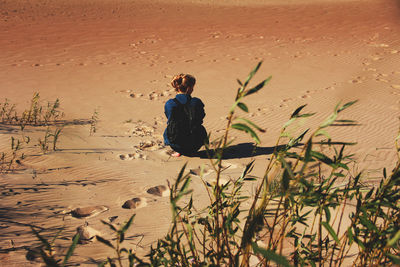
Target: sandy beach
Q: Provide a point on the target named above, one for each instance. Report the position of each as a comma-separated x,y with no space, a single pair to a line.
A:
116,58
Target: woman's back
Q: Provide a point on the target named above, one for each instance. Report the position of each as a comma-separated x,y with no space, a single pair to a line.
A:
181,111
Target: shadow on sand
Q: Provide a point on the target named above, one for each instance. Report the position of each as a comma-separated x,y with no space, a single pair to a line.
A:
239,151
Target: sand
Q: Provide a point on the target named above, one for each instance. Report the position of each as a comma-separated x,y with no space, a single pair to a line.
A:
117,57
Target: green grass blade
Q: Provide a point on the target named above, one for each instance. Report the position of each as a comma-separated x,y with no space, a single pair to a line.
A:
252,73
393,240
243,107
247,129
323,132
71,249
331,232
127,224
252,124
394,258
105,241
297,111
258,87
232,109
112,227
180,175
271,255
348,104
331,119
321,157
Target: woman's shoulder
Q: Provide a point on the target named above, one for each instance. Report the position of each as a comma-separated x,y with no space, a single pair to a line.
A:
197,101
170,102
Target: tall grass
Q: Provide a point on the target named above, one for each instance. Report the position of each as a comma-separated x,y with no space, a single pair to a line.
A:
308,208
38,114
47,115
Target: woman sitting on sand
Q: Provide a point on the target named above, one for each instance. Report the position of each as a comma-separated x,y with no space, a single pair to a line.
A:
185,133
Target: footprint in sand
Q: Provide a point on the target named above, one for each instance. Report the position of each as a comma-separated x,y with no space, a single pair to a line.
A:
395,93
381,77
135,95
165,93
382,80
127,156
198,171
358,79
376,58
88,212
304,96
132,156
159,190
86,234
310,91
159,121
395,86
150,145
215,35
307,94
287,100
330,88
141,129
135,203
153,96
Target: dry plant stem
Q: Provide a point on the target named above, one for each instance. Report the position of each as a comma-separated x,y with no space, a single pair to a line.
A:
207,189
201,242
193,251
339,224
320,220
204,241
271,242
231,257
218,187
210,158
341,254
281,237
246,246
396,143
180,249
118,252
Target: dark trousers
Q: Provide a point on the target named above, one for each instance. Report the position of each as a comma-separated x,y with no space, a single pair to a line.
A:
193,144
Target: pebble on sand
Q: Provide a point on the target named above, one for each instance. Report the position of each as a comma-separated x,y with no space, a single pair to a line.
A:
86,234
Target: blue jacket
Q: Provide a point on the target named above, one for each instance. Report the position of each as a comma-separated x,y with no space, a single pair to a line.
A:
183,98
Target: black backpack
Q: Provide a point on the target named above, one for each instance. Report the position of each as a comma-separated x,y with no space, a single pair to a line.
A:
181,127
